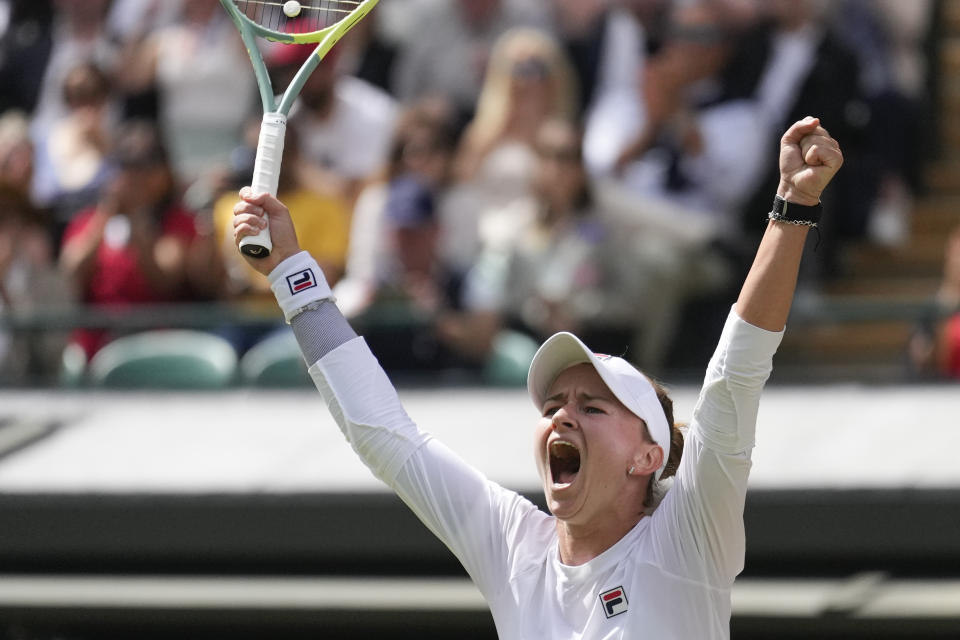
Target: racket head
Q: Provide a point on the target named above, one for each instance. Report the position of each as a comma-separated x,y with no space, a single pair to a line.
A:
316,22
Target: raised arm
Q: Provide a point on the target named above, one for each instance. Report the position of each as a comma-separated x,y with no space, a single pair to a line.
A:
707,498
456,502
809,158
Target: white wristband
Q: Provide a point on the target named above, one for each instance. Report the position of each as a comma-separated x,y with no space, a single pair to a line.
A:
298,282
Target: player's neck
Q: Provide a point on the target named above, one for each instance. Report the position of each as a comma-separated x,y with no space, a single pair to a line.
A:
580,543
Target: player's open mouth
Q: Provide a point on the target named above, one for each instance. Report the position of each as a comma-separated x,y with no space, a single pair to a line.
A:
564,462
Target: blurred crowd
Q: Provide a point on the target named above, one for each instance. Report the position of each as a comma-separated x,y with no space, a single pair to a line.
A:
487,171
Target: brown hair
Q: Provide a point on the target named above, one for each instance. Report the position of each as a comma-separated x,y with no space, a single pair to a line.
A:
676,441
426,123
86,84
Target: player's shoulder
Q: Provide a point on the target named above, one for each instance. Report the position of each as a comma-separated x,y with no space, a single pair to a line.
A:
529,531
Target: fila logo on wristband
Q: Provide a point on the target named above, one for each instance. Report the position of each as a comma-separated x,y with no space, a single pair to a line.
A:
298,282
301,281
614,602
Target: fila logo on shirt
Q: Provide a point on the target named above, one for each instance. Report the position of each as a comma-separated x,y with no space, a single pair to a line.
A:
614,602
301,281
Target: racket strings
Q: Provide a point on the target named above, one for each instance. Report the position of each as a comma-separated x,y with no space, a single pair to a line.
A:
313,15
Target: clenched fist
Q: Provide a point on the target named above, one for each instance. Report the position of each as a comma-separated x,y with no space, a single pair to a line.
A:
809,158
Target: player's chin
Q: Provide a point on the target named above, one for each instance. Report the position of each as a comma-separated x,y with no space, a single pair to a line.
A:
565,510
564,501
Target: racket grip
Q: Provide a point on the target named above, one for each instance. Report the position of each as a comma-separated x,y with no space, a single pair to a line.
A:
266,175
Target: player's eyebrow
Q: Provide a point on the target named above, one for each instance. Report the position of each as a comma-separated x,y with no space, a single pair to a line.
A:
555,397
582,396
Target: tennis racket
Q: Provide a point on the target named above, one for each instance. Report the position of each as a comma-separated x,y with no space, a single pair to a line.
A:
322,22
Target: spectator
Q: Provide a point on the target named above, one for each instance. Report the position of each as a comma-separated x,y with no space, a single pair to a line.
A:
205,85
132,246
132,23
132,20
907,27
72,154
344,123
948,295
529,81
79,35
664,164
449,51
396,260
793,64
16,152
399,213
934,349
552,263
25,44
948,349
682,153
614,114
887,38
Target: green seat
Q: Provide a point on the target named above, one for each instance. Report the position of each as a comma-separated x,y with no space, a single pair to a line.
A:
164,359
509,359
275,362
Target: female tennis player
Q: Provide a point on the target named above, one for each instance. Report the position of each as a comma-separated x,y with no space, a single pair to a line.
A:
605,564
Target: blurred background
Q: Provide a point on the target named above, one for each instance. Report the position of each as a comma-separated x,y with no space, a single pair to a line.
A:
472,175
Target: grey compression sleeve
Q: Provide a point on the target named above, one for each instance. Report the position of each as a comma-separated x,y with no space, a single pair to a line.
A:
320,330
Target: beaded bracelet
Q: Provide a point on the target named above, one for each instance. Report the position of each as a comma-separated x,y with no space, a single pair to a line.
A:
802,223
798,214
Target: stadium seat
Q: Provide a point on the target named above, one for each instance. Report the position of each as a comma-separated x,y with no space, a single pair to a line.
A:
164,359
275,362
510,357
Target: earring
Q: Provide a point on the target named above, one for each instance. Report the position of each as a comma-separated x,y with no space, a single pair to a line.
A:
631,470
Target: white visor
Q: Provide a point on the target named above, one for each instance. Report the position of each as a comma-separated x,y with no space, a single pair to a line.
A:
564,350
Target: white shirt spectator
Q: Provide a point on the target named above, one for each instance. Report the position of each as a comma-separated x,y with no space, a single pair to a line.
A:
67,51
208,92
616,114
353,141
